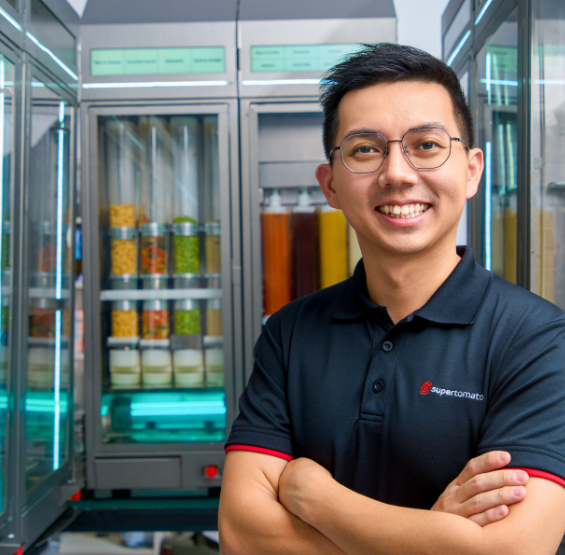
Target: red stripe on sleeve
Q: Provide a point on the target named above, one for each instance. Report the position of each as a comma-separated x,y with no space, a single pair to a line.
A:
535,473
254,449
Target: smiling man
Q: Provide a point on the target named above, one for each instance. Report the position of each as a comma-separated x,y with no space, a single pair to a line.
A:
383,412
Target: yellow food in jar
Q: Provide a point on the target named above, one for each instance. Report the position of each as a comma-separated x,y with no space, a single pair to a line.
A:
124,323
212,245
333,247
124,256
214,322
122,215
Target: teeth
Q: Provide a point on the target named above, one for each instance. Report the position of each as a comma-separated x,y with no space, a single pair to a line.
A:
405,211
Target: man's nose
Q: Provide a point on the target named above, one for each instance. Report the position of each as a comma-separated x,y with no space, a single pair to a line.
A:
396,169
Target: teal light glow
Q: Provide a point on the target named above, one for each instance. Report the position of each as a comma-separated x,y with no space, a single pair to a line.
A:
9,18
178,409
488,80
459,47
500,82
147,85
60,173
488,188
57,389
53,57
259,82
2,101
42,405
483,11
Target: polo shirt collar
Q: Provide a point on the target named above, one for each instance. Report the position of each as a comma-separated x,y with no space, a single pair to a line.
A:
457,301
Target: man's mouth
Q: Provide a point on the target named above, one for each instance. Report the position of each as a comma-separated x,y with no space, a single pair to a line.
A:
405,211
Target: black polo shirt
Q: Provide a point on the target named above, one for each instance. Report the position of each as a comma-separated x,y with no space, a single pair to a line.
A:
394,412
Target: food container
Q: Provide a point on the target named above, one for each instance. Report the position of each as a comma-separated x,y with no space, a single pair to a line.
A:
124,282
122,215
156,367
155,282
154,249
125,369
186,246
45,245
41,368
123,250
213,248
42,318
156,320
187,317
6,260
188,368
125,320
214,311
215,367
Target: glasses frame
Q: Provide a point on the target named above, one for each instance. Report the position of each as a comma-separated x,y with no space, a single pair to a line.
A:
404,149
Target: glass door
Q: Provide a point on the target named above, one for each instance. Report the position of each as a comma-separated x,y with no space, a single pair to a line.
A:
47,401
6,191
161,257
496,98
548,148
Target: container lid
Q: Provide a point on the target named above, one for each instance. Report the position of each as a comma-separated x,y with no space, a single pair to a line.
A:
156,281
124,281
156,357
122,342
212,228
187,281
156,304
122,232
186,304
124,305
304,202
214,281
188,357
185,228
275,204
124,358
154,229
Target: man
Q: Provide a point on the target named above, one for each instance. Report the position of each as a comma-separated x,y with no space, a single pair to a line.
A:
368,398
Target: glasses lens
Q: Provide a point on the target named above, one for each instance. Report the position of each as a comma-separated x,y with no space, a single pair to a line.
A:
427,148
363,152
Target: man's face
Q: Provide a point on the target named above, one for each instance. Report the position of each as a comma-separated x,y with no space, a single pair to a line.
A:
392,109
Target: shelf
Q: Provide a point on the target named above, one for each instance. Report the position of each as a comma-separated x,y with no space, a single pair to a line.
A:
208,341
159,294
46,341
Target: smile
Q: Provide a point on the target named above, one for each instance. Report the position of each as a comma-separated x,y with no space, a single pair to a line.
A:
407,211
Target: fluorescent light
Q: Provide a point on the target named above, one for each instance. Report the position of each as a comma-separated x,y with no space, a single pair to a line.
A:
459,47
501,82
60,170
488,79
146,85
2,99
482,12
47,51
281,82
9,18
57,389
488,187
549,81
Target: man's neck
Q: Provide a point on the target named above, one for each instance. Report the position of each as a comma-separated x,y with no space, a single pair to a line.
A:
405,283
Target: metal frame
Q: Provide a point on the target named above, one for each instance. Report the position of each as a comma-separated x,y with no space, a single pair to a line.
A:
226,110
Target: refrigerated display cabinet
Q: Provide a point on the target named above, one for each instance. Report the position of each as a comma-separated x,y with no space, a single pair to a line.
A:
514,54
38,97
162,292
293,242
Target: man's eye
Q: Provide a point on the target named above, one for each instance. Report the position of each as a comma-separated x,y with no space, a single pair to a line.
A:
428,145
365,149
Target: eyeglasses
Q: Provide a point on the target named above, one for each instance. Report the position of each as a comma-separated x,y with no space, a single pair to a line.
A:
425,148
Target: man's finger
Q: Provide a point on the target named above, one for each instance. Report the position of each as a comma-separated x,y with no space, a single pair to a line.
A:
493,460
491,499
490,481
490,516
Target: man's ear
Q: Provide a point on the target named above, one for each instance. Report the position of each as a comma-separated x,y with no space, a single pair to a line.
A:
475,169
325,178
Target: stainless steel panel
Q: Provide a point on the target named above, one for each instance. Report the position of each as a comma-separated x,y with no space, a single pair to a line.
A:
194,466
158,473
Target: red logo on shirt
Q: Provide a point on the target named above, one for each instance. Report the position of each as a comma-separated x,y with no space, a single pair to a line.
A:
426,387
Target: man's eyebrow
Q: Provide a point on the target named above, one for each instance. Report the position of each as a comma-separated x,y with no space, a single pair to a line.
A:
422,127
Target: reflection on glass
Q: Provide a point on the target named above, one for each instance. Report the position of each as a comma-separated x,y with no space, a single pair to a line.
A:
496,98
48,369
548,148
162,338
6,133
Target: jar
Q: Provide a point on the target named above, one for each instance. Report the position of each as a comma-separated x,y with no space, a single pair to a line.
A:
124,282
214,311
41,367
215,367
125,321
122,215
213,248
156,367
188,367
123,250
6,262
45,241
155,282
154,249
187,317
156,320
186,246
42,318
125,369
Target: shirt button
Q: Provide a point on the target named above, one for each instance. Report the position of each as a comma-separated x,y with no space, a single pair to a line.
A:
409,318
387,346
378,386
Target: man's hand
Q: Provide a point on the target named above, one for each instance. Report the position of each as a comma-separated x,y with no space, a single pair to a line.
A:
482,492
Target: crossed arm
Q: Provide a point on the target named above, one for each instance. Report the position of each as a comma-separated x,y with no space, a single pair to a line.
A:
269,506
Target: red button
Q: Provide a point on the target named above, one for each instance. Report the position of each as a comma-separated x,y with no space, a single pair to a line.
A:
77,496
211,471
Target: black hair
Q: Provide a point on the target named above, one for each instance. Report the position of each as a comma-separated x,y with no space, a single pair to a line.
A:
389,63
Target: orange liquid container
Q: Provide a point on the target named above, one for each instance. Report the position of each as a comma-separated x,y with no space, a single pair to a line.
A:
333,247
276,255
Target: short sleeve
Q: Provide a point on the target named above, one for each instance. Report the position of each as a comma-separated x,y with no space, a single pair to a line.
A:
526,404
263,420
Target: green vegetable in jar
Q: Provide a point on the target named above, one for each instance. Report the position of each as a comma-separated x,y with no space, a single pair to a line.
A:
186,249
187,322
